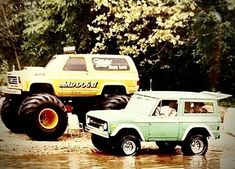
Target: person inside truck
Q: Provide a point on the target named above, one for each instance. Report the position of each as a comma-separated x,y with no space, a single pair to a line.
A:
167,110
199,107
195,107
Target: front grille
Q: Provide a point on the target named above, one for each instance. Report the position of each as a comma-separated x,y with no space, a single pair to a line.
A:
12,80
94,122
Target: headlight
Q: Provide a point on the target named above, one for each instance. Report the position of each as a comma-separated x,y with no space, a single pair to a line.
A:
88,120
105,126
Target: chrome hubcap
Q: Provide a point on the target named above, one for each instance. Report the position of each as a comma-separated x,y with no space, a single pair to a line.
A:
197,146
129,147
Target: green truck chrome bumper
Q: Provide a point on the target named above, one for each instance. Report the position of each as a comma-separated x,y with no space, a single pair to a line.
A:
97,131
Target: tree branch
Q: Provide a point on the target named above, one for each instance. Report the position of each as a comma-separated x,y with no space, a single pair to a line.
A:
12,40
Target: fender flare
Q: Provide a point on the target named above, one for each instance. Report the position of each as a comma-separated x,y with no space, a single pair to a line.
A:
48,86
128,126
111,84
203,126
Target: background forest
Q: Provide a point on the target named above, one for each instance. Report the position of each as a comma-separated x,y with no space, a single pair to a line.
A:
179,44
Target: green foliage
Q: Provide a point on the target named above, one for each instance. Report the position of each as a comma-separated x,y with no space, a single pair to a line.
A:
136,26
231,4
213,31
3,71
181,45
51,25
153,33
11,30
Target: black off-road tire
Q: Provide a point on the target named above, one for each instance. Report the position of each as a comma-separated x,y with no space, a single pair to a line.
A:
100,143
115,102
195,144
128,145
9,113
43,117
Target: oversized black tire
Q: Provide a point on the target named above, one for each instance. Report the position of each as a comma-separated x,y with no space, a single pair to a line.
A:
115,102
9,113
128,145
100,143
43,117
195,144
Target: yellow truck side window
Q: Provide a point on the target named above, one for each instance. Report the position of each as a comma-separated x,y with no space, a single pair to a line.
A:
75,64
110,64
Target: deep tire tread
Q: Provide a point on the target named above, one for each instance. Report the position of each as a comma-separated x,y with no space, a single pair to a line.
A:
116,102
9,114
29,110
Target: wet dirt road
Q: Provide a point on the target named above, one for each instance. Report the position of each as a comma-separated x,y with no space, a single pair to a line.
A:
146,159
221,154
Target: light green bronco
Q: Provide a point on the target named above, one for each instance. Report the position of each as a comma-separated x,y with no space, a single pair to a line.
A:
168,118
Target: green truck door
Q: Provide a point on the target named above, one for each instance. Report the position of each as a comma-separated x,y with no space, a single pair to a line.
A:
163,128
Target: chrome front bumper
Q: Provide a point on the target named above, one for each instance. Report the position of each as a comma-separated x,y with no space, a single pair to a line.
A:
97,131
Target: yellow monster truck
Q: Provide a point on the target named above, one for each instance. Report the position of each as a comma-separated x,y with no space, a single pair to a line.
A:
37,98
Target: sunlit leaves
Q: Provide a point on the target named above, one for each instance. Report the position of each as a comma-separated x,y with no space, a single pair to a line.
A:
231,4
138,25
3,71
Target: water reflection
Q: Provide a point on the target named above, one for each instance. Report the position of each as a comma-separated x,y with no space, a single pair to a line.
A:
213,160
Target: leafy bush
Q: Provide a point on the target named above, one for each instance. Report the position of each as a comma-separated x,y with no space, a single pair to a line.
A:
3,71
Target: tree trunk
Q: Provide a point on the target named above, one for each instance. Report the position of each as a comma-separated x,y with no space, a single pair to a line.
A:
11,38
216,65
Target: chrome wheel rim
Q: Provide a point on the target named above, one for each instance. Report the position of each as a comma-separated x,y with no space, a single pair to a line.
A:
197,146
129,147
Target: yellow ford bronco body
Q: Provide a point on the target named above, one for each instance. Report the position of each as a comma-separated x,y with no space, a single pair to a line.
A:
37,98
